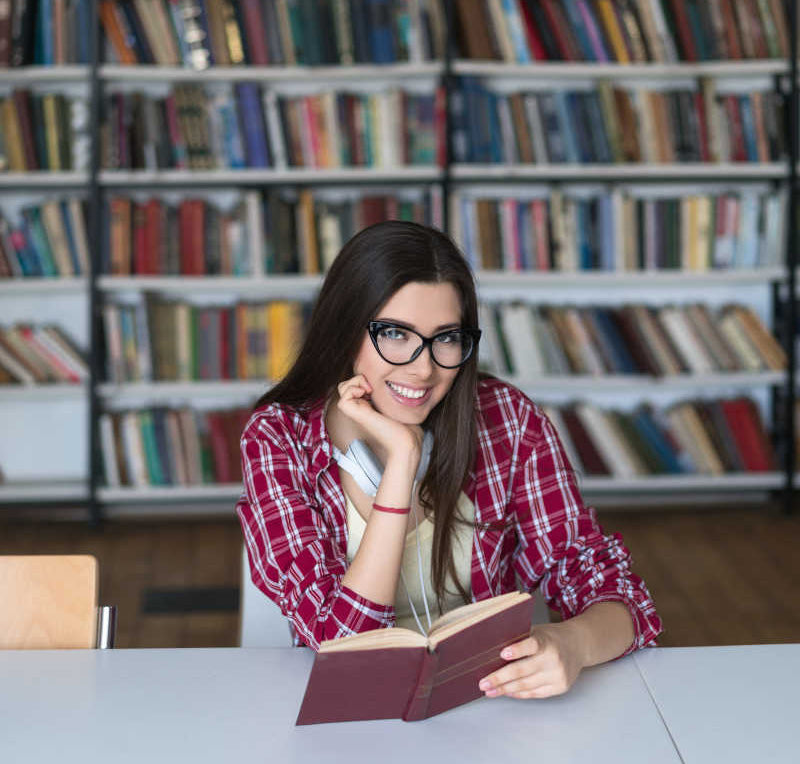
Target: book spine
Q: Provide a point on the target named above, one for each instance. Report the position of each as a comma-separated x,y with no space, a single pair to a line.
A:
418,702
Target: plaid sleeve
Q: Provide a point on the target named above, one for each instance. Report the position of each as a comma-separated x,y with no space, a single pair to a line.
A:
295,558
562,546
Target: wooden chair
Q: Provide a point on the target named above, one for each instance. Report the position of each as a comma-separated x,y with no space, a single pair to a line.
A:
50,602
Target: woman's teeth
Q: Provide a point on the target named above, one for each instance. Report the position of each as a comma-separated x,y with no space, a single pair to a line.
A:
406,392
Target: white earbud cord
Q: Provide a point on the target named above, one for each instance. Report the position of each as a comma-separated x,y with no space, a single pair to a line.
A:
421,583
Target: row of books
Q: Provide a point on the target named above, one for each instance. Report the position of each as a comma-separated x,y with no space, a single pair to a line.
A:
193,238
39,355
162,446
280,231
44,131
706,437
202,33
244,126
48,239
270,232
44,32
157,447
247,127
622,30
161,340
529,342
611,123
617,231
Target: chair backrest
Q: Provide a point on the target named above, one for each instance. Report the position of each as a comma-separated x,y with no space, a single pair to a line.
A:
261,623
541,613
48,602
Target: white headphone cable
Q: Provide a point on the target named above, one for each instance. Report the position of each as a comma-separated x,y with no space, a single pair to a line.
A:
422,584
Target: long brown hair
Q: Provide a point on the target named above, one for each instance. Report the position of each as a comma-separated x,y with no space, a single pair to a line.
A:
370,268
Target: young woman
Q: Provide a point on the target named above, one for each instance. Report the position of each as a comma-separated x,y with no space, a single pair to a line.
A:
386,481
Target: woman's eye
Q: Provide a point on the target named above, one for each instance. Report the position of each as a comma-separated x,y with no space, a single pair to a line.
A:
449,338
392,333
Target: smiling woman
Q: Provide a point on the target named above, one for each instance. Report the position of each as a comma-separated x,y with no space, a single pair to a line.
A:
384,476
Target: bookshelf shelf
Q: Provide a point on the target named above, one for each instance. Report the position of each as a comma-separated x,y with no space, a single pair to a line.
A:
41,179
57,490
263,177
635,279
226,390
27,75
559,70
33,285
267,74
26,393
300,285
626,382
652,172
764,481
177,493
283,286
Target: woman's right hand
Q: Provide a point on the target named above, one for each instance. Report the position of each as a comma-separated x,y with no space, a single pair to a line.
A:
395,439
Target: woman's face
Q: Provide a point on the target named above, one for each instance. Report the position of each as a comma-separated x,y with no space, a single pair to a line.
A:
410,392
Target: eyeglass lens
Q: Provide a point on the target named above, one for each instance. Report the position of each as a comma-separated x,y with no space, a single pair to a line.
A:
398,345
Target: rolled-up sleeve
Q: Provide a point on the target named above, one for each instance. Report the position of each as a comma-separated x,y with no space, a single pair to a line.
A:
295,556
561,545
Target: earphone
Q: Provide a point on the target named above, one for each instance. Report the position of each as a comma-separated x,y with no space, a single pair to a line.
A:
367,470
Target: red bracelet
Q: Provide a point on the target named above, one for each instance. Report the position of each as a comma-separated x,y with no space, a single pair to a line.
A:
392,510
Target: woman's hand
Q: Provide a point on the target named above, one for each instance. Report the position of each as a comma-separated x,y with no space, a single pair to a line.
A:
392,437
544,664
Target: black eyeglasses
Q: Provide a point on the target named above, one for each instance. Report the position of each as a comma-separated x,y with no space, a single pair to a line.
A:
399,345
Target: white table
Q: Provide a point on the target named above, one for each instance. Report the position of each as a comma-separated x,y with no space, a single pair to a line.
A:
239,705
728,704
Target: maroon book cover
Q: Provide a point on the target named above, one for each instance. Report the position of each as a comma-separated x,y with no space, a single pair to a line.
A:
22,103
684,30
567,48
590,457
140,254
154,237
628,325
413,682
460,661
256,36
749,435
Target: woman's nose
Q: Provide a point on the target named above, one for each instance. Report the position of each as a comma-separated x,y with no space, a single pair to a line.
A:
424,364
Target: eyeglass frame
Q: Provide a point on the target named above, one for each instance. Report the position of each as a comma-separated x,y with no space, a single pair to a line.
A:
373,327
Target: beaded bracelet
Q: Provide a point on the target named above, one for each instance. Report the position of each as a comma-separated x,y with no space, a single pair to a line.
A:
392,510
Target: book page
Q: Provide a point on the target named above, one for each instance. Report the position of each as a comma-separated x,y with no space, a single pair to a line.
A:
376,639
465,615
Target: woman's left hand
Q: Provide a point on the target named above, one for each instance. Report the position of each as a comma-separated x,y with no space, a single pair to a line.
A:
545,663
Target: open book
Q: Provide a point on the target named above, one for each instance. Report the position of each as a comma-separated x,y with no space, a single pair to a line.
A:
401,674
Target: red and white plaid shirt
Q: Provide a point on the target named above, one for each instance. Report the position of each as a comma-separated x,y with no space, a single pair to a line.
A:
531,526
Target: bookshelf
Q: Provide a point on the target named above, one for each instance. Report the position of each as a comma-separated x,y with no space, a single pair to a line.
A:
259,178
750,284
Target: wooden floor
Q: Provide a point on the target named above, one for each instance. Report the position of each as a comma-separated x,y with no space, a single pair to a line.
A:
717,576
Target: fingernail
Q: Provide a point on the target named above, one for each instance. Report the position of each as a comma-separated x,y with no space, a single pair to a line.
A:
485,684
492,693
506,653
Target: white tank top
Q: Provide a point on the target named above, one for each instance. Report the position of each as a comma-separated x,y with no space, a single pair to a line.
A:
462,556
